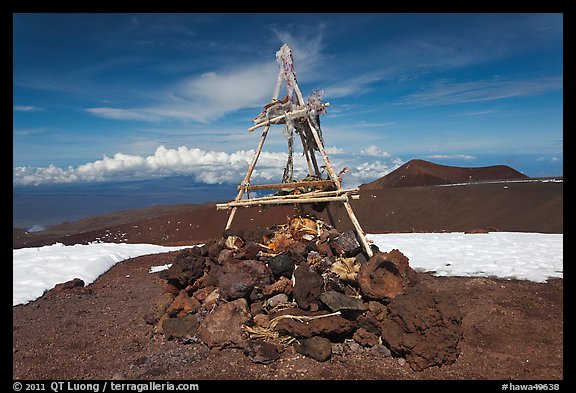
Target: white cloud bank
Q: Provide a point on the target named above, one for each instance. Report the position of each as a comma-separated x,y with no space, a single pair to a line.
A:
206,166
374,151
210,167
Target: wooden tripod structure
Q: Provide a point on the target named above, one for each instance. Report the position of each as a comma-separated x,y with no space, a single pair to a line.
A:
303,117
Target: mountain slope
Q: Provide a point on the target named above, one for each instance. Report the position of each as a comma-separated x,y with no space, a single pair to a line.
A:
419,173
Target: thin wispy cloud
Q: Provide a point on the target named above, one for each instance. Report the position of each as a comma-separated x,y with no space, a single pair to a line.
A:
444,92
124,114
452,157
476,113
212,95
351,86
198,79
26,108
205,98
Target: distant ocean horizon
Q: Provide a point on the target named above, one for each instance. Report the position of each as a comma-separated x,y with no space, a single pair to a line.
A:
37,208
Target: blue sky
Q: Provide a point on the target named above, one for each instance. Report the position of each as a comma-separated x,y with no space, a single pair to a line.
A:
125,96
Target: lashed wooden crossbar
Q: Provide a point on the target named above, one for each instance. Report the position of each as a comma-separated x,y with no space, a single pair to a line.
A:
282,118
302,111
279,201
283,186
310,197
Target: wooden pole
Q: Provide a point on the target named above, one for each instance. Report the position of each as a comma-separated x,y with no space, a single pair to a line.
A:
334,177
306,154
312,194
359,230
246,180
252,202
331,173
282,186
303,103
315,164
314,197
275,120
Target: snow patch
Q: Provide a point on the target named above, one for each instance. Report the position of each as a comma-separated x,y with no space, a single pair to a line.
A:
38,269
508,255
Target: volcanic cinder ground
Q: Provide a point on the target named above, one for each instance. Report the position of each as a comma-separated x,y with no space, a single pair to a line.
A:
510,329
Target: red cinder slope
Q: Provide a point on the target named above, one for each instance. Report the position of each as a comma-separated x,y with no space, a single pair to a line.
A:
418,173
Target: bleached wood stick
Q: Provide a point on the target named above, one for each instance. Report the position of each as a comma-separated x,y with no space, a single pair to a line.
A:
253,202
314,163
313,194
307,155
359,230
294,114
281,186
302,102
329,167
256,153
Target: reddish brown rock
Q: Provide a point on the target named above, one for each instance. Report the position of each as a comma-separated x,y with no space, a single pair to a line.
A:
171,289
68,285
238,279
203,293
297,251
337,301
332,327
260,351
346,244
250,251
261,320
225,255
424,327
365,338
369,323
188,266
317,348
212,248
162,303
180,327
385,276
257,308
377,309
308,287
160,324
323,247
223,327
283,285
183,305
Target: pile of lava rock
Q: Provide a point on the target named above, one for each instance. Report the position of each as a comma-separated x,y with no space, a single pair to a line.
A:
304,285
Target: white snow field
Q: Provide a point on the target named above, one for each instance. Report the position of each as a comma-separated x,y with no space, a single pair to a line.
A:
38,269
506,255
